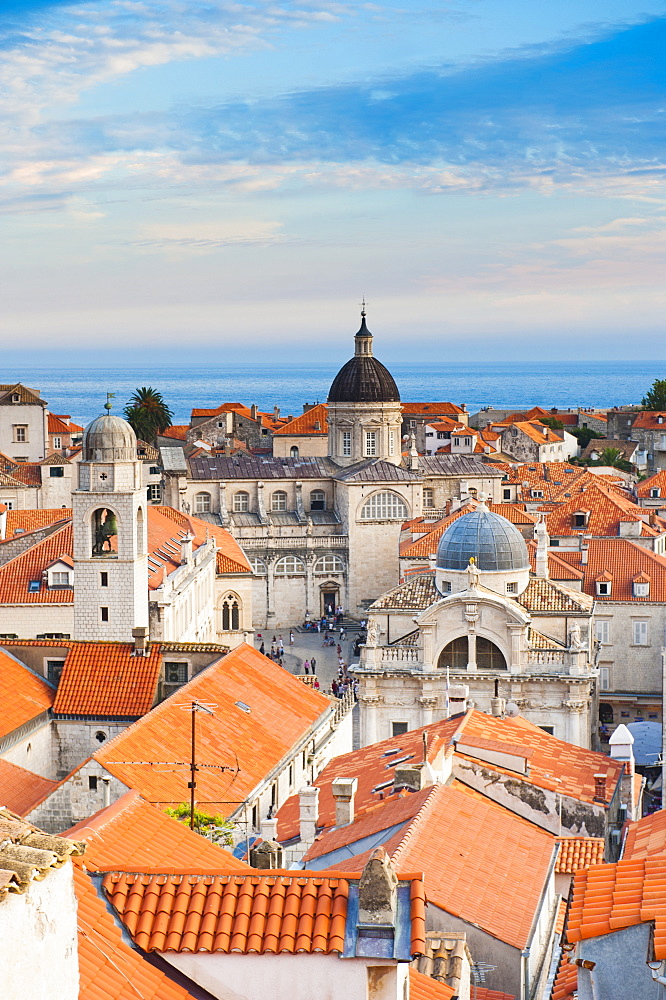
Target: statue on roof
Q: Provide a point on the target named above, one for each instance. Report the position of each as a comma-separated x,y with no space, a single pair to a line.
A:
472,574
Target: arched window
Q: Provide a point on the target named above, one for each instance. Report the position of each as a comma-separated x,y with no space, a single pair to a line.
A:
317,500
202,503
293,451
140,533
455,655
290,566
279,500
230,613
104,533
384,507
241,502
258,566
329,564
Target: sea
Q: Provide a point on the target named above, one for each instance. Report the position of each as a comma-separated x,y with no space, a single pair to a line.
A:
82,392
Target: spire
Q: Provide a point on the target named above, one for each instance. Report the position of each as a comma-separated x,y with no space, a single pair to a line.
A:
363,339
109,405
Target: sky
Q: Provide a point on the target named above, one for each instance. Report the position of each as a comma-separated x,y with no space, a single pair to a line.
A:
193,180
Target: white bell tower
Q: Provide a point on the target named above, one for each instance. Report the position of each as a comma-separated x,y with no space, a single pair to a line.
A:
109,512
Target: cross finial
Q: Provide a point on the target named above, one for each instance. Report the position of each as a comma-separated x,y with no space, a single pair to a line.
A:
363,308
108,405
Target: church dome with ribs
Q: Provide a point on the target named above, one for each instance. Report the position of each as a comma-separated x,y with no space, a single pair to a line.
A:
363,379
109,439
494,542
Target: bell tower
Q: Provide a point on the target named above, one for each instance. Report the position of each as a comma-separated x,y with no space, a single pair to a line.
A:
109,513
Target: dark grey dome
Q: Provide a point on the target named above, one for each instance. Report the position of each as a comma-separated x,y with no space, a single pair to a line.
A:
109,439
495,543
363,379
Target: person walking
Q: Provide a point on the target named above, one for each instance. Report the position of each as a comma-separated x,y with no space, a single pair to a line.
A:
306,666
262,649
313,664
291,638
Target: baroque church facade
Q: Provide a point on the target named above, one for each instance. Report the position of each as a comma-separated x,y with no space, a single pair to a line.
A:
319,530
481,627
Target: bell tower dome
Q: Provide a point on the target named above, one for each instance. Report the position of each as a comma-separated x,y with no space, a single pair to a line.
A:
109,511
364,412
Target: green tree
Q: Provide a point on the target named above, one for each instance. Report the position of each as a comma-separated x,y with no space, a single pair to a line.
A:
215,828
148,413
553,422
615,458
655,399
584,435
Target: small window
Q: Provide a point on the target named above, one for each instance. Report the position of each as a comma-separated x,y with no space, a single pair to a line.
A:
506,494
603,589
640,633
241,502
54,670
580,518
548,729
290,566
104,614
175,673
428,497
154,470
258,567
202,503
329,564
446,587
104,579
34,586
20,433
384,507
100,736
346,443
642,589
602,632
512,588
230,613
56,471
92,782
279,500
398,728
604,679
317,500
391,443
154,492
59,580
655,492
536,494
370,444
16,398
293,451
468,442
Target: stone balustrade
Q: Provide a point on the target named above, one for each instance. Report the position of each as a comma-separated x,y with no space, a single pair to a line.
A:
294,542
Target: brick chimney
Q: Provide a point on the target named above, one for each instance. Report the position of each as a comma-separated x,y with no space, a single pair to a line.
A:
600,788
344,790
140,636
266,855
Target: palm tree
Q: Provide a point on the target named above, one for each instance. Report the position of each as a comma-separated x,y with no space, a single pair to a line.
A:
148,413
615,458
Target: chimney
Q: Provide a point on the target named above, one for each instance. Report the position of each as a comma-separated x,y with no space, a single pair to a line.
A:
268,829
584,546
186,549
543,541
621,747
600,788
377,892
266,855
458,695
106,786
140,636
344,790
254,410
308,801
411,778
276,413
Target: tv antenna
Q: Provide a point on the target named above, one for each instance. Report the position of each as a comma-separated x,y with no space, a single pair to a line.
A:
193,707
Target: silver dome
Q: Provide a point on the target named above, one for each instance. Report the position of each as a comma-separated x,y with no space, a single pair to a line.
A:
109,439
495,543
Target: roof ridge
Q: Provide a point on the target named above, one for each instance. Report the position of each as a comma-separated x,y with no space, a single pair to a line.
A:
426,806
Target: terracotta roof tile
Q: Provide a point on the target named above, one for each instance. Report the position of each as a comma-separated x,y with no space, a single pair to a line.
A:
607,898
548,595
106,679
133,835
559,569
483,993
482,863
230,556
292,912
29,520
578,852
305,423
424,988
623,560
646,837
176,431
21,790
250,741
426,545
23,695
17,573
565,986
651,419
109,968
536,431
418,593
658,481
427,409
606,509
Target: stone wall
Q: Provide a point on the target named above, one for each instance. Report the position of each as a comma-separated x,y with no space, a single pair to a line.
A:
75,799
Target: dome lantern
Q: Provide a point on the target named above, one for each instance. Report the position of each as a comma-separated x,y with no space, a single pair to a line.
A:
363,379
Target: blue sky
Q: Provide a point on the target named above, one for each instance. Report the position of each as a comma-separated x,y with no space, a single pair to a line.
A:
229,179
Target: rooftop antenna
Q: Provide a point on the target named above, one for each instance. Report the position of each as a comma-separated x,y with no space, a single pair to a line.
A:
193,707
109,405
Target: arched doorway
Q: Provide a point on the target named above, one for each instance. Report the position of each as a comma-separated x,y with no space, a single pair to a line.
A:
488,655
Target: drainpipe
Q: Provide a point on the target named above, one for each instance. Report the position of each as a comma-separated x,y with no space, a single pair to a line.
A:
525,958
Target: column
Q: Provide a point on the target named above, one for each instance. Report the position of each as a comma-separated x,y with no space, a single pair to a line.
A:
515,631
270,586
427,637
224,513
428,705
311,602
471,617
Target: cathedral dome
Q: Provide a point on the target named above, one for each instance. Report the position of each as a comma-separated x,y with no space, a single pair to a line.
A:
109,439
496,545
363,379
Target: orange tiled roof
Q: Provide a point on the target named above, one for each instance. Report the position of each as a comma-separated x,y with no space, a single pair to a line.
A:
106,679
422,987
606,508
109,968
426,409
607,898
658,480
57,424
305,424
482,863
537,431
651,420
623,560
132,835
30,520
21,790
28,473
23,695
250,741
578,852
646,837
294,912
426,545
177,431
559,569
164,539
565,986
17,573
